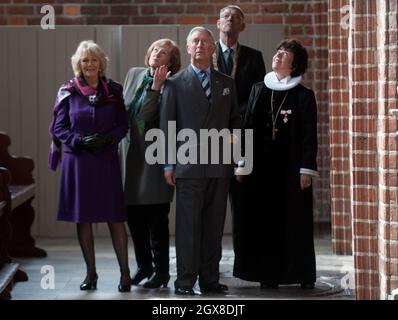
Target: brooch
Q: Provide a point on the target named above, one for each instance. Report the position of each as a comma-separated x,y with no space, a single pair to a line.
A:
285,113
92,99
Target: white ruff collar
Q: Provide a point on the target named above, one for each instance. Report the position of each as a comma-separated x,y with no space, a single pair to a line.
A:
272,82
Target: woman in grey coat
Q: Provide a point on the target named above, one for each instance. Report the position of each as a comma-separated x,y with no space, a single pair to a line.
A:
147,194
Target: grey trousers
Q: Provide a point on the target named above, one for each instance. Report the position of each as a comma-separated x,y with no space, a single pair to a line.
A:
200,217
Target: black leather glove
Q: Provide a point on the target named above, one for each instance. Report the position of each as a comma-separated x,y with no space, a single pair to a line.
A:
95,142
79,144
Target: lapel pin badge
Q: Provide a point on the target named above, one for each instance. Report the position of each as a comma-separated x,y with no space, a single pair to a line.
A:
225,92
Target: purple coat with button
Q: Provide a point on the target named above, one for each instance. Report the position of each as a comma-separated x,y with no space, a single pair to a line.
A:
91,187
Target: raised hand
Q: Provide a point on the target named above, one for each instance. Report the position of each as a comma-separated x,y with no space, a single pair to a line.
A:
160,75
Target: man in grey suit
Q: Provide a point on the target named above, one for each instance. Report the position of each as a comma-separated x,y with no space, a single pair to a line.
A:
199,98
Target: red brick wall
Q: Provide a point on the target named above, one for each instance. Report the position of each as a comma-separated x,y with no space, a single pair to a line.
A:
388,146
308,22
299,13
363,72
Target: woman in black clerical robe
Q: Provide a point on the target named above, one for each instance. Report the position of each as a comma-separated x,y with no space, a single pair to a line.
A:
275,244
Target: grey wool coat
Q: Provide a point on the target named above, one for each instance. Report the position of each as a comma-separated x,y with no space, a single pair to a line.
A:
143,183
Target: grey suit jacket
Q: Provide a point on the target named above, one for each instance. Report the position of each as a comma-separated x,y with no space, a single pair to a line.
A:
143,183
185,102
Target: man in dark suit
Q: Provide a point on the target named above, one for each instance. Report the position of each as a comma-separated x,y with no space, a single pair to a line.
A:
199,98
246,66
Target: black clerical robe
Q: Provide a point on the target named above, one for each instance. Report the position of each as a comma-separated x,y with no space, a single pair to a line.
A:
274,239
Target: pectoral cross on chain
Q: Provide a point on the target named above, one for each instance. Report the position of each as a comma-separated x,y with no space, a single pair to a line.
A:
275,117
274,130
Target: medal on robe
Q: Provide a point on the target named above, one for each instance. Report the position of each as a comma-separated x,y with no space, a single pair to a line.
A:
285,113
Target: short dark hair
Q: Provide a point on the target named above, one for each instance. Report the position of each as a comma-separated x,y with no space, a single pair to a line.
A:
300,55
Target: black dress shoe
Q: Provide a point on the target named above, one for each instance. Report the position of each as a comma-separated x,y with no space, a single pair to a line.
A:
184,292
140,275
89,284
214,288
124,287
266,285
307,285
125,283
157,280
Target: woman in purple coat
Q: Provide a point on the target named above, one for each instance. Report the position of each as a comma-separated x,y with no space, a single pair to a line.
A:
89,121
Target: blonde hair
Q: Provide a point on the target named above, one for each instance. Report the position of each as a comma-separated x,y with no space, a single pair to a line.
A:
175,56
89,46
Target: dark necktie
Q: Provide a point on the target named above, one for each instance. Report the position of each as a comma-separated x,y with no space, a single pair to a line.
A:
205,83
229,61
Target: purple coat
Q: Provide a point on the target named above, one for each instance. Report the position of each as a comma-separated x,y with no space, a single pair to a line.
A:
91,187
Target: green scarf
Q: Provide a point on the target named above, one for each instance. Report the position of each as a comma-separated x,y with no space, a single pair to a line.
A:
136,104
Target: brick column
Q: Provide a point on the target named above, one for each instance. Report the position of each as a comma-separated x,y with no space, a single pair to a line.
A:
339,126
363,139
387,146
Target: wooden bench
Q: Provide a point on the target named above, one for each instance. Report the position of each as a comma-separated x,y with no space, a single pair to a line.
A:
9,271
4,225
22,189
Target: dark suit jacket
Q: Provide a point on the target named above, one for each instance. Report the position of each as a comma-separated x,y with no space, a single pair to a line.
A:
185,102
250,70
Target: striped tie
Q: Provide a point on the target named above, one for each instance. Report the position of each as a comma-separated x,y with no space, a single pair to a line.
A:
205,84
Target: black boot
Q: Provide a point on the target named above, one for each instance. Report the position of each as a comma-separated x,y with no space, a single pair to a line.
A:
137,221
159,233
140,275
307,285
157,280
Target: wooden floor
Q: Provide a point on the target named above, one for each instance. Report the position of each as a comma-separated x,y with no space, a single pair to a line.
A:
66,262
